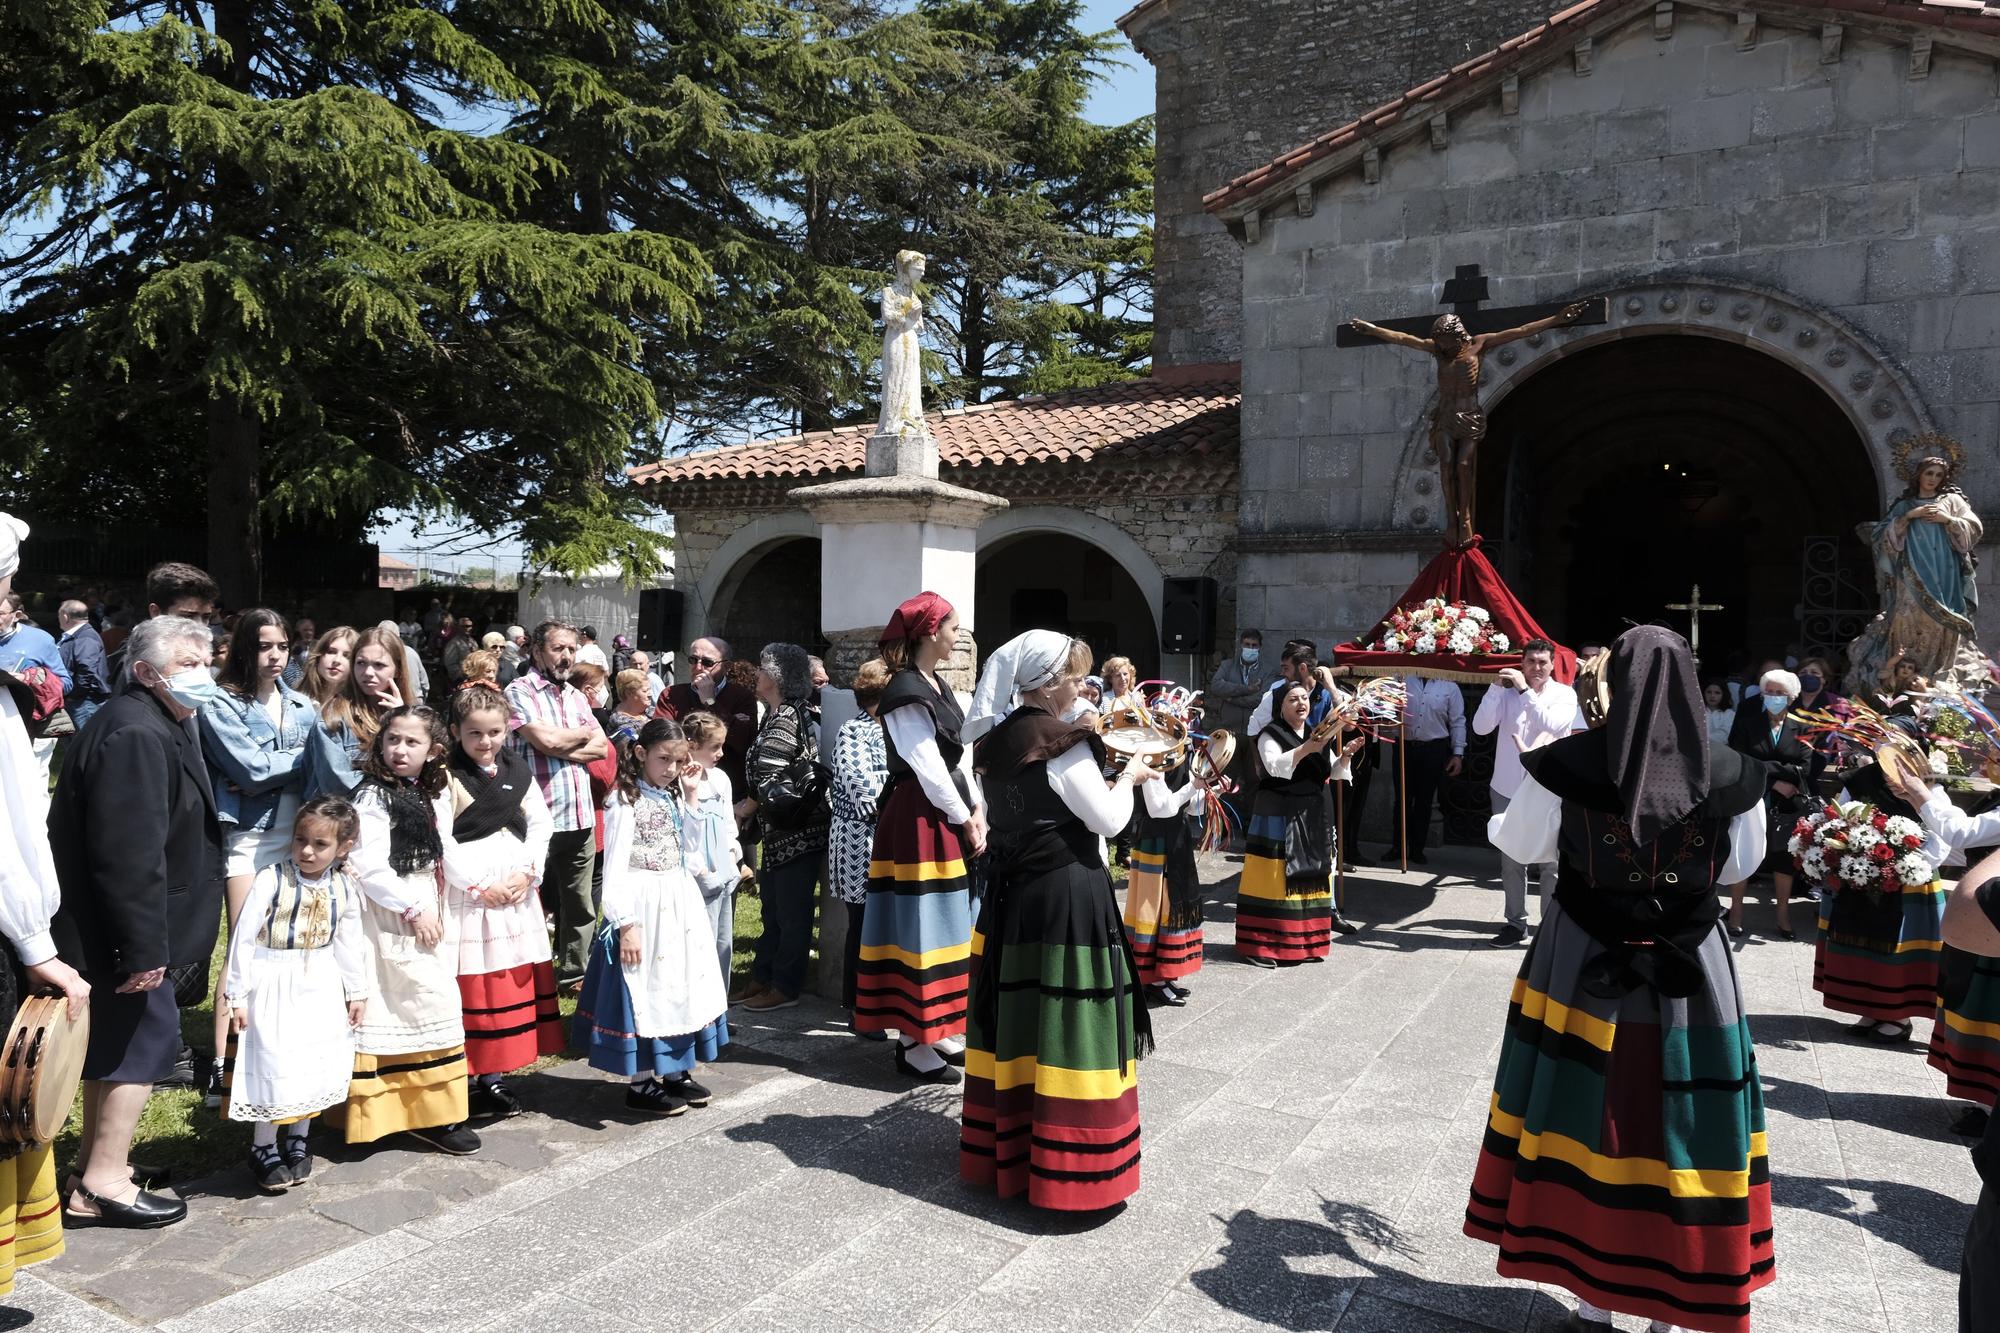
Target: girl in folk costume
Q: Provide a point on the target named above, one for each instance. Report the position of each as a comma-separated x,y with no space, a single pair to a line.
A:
1877,953
1965,1038
295,988
916,930
1163,891
1057,1026
653,1001
1624,1157
1284,899
31,1229
409,1062
714,845
500,829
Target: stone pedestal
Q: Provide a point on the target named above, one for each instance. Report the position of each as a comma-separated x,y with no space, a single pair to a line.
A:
883,538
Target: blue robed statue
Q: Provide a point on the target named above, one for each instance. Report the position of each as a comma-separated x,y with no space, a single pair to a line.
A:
1924,571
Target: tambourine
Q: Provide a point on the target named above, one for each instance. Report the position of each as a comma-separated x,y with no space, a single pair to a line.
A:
40,1067
1160,739
1901,760
1211,758
1593,688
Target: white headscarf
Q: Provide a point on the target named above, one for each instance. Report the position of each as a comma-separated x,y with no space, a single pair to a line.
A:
1023,663
12,533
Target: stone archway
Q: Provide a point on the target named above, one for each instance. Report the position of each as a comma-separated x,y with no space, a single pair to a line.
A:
714,589
1045,566
1105,535
1868,387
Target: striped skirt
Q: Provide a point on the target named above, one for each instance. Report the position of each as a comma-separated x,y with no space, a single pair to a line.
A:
1162,950
1281,913
1965,1040
1624,1157
1879,959
511,1019
916,933
392,1093
31,1229
1051,1079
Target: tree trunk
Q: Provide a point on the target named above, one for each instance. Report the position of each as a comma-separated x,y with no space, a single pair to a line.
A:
235,485
977,347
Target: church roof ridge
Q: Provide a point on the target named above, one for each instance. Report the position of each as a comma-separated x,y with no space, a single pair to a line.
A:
1145,419
1970,16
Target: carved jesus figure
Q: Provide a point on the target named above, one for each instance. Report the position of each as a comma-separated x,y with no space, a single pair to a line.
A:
1459,423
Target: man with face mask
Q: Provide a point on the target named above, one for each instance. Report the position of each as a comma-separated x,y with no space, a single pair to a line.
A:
133,832
1237,685
554,731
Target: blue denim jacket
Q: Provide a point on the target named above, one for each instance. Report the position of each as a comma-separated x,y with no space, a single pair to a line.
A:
251,764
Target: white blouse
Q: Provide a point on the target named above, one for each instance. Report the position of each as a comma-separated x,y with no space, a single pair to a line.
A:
1163,801
1527,831
473,867
914,733
1075,776
369,862
1280,762
29,894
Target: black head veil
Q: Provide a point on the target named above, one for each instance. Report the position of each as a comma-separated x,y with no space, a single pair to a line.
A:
1656,735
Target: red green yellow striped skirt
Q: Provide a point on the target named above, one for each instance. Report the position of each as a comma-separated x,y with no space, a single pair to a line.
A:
1965,1039
1162,952
1879,958
916,931
1051,1075
30,1213
1624,1157
392,1093
1278,916
511,1019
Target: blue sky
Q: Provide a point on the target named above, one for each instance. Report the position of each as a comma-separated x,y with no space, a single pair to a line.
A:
1125,94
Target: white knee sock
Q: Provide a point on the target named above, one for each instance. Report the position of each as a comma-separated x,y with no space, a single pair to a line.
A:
921,1057
297,1129
264,1135
953,1045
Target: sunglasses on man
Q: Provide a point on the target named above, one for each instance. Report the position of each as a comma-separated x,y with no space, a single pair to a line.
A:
704,661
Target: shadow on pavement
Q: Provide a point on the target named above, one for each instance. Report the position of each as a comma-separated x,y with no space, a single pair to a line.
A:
1923,1116
1928,1224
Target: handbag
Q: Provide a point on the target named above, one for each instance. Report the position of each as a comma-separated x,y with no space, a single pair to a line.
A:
798,795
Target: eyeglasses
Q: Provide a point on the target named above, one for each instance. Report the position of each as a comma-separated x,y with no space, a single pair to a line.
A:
704,661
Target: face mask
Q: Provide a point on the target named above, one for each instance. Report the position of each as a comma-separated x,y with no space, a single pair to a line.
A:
1250,656
192,688
1810,683
1776,703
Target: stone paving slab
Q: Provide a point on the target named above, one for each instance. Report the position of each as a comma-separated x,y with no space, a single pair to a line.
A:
1310,1135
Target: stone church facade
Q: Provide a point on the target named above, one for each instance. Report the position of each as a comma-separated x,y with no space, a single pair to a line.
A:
1792,207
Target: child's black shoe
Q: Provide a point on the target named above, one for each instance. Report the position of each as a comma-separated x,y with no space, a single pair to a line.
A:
493,1101
684,1087
292,1147
654,1098
267,1164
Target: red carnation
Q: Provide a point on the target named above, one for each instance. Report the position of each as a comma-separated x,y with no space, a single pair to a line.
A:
1882,852
1880,821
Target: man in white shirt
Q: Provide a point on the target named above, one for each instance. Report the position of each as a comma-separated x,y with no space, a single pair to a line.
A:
1434,736
1527,709
589,651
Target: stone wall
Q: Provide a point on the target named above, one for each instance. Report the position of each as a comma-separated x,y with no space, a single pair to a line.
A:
1239,83
1852,208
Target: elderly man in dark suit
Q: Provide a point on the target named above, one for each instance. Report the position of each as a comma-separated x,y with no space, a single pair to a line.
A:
133,830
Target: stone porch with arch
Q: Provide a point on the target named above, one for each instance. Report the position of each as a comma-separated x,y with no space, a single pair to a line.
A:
1110,491
1794,209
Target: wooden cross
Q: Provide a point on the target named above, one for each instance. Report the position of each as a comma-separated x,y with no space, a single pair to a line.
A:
1694,606
1466,293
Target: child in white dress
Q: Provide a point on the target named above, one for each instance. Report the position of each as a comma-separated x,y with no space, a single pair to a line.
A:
652,1001
296,986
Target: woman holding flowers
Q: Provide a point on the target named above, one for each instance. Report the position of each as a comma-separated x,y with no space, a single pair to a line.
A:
1879,909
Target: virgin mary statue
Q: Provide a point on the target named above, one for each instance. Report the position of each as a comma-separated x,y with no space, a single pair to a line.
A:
1924,573
902,351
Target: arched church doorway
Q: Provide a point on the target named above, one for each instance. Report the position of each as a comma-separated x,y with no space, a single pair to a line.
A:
1623,475
1051,580
771,595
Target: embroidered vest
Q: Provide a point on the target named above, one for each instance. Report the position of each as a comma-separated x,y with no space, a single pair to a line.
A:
656,836
303,915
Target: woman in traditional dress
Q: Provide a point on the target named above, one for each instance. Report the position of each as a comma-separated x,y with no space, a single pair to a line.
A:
1624,1157
1284,898
30,1216
1965,1036
1767,731
1878,950
1923,569
916,931
1052,1089
1163,909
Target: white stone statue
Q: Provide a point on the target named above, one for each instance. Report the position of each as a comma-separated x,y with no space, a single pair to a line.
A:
902,355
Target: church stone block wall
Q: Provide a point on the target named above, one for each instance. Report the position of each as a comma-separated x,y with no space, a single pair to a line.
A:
1313,63
1848,187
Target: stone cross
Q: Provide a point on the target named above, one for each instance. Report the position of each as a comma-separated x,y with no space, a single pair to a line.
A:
1694,606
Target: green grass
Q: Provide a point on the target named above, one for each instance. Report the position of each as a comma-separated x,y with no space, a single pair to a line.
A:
177,1132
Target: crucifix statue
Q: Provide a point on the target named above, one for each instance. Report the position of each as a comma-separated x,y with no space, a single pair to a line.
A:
1458,341
1694,606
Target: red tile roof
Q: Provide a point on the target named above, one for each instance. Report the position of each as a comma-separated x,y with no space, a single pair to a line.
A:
1136,420
1558,30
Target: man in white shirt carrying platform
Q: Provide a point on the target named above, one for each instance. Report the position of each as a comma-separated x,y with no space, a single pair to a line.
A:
1434,734
1528,709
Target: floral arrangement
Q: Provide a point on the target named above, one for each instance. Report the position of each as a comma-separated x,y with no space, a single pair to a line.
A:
1438,626
1857,847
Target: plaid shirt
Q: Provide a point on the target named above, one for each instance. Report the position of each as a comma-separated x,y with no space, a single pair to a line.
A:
533,697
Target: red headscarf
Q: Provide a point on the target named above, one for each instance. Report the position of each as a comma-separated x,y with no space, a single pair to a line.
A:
917,617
